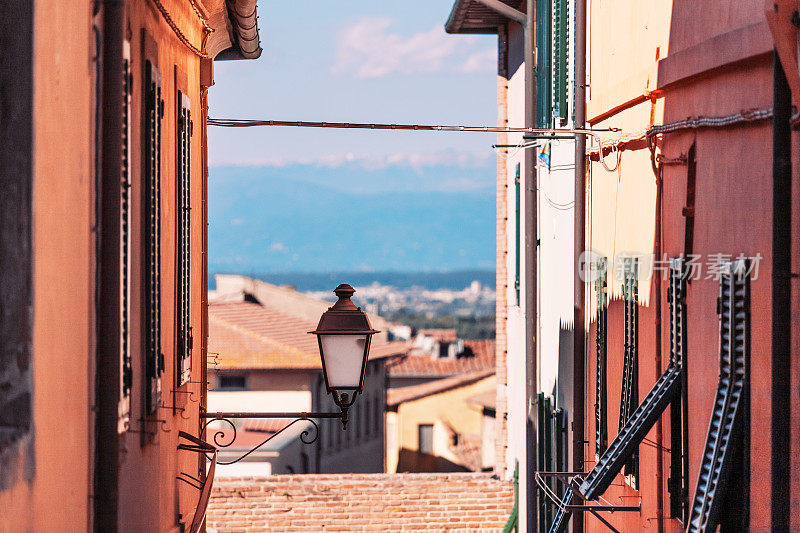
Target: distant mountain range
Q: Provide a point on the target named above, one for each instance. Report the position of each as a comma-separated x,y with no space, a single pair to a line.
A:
307,218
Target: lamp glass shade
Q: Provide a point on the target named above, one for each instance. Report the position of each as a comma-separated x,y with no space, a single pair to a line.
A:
344,359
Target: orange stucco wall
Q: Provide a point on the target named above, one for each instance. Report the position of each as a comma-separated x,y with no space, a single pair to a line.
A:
151,461
59,488
58,495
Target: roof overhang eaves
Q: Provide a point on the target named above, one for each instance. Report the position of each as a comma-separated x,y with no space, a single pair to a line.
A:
241,31
472,17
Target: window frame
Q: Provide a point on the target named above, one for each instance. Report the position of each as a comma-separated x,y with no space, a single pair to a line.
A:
601,358
183,241
152,116
420,440
224,376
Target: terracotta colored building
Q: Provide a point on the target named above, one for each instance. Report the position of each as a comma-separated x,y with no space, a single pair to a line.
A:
103,230
690,307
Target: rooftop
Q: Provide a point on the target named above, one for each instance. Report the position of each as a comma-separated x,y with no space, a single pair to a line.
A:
471,16
425,366
406,394
248,335
487,400
441,335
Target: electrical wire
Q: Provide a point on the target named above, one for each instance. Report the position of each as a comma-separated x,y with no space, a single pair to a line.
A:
691,123
177,31
507,156
247,123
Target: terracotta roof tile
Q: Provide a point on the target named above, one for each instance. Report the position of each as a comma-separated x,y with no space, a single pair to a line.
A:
247,335
426,366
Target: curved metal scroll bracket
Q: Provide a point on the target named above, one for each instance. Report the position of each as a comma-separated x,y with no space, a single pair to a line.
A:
223,439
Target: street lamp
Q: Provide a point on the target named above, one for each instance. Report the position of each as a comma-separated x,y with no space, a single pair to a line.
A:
344,335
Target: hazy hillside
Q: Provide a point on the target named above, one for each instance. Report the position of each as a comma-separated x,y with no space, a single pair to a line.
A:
282,219
325,281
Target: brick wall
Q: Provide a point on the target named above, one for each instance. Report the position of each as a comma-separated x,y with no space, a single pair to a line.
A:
361,502
501,272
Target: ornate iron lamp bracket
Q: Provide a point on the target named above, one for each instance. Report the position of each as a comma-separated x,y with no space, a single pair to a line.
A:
308,437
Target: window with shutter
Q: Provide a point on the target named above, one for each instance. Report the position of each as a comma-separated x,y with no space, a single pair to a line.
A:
551,430
627,441
629,398
544,78
560,58
641,420
151,164
126,374
721,496
678,470
183,252
601,345
545,456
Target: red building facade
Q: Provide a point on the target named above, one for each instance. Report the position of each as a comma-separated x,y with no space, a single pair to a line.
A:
692,347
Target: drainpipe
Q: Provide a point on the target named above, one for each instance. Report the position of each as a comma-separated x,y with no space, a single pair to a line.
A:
531,269
781,295
579,338
107,375
527,20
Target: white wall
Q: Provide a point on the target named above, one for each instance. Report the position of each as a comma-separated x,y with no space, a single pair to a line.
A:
555,197
254,401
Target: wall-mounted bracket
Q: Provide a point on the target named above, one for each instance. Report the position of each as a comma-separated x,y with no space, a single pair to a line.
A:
223,441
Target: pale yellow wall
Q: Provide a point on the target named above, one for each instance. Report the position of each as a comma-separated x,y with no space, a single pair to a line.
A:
446,409
620,70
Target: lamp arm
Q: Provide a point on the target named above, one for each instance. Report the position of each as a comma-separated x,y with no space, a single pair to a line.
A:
221,442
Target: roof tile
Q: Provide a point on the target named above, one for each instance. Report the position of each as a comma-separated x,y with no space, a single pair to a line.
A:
247,335
426,366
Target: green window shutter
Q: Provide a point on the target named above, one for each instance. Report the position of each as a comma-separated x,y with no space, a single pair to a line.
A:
517,214
560,41
544,27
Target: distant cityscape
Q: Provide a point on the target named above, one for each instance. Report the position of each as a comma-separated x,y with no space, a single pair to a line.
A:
462,300
471,301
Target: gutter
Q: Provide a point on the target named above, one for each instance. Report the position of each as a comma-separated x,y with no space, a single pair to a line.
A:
243,18
579,333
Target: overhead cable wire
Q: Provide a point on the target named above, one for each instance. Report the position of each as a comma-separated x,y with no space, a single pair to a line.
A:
691,123
246,123
177,31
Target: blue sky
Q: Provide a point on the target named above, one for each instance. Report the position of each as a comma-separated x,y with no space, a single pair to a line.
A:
357,62
351,61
